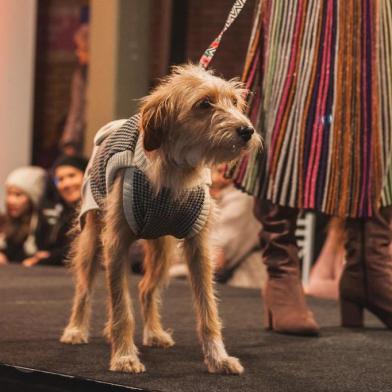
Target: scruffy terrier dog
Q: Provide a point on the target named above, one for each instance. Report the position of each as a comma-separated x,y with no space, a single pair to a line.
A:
148,178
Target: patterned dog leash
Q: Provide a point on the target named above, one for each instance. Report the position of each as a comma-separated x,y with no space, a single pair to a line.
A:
210,52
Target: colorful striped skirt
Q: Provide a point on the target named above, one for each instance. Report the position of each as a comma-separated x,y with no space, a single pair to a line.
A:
320,72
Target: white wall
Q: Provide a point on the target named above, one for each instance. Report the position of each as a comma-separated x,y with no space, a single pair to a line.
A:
17,51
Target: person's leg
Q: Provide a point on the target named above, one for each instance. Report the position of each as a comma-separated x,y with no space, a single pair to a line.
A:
366,280
285,307
351,285
325,275
378,237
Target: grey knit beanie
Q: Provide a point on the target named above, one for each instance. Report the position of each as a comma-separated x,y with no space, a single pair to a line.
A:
31,180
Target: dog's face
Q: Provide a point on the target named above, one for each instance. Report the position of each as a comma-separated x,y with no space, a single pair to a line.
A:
194,118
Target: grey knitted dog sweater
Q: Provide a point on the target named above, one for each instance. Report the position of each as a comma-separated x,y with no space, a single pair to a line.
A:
149,215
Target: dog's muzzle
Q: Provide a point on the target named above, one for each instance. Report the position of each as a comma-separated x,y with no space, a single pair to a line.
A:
245,133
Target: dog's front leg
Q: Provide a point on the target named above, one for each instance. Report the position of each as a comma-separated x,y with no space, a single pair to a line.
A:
157,260
84,263
116,239
209,326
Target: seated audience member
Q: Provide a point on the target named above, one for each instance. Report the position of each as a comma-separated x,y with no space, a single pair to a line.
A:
235,237
325,274
59,216
19,238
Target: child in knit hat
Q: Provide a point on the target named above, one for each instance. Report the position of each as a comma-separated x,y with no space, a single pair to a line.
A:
25,188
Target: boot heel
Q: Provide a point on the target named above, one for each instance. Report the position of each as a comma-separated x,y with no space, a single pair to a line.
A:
351,313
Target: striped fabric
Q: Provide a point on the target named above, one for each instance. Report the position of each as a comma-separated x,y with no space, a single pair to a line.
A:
385,70
321,76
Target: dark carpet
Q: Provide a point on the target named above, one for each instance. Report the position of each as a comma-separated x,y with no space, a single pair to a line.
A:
35,305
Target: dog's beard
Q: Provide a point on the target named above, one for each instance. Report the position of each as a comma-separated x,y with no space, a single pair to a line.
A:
226,146
223,157
207,142
206,154
223,147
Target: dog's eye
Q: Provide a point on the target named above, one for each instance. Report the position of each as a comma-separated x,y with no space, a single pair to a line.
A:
235,101
205,103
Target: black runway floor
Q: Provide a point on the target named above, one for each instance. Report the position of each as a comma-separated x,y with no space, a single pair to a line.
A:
35,305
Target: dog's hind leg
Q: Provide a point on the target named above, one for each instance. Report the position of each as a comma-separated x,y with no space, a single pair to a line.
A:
156,264
198,252
84,263
116,239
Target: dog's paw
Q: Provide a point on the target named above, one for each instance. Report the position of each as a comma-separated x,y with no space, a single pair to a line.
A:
73,335
127,364
161,339
227,365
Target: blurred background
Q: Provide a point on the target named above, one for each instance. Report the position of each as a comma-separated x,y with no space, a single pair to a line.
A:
67,67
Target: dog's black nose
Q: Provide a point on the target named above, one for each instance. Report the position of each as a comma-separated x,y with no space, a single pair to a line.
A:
245,133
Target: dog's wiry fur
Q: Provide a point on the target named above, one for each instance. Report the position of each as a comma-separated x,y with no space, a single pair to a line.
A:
182,135
186,138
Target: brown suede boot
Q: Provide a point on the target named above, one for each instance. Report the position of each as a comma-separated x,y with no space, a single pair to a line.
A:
367,276
285,309
352,282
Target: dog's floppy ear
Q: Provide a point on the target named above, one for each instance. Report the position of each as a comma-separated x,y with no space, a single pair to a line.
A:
155,118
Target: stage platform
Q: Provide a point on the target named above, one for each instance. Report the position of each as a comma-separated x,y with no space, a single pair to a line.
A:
35,305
